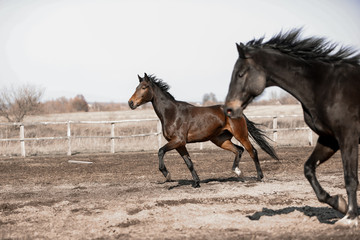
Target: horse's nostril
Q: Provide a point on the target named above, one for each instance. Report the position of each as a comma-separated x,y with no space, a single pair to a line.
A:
229,112
131,104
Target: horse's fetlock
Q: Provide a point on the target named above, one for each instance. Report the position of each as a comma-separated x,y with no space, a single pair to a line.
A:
323,197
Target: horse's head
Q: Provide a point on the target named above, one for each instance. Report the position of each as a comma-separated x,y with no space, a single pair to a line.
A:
143,93
247,82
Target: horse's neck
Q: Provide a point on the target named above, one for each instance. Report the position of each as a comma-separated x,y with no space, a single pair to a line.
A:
292,76
162,105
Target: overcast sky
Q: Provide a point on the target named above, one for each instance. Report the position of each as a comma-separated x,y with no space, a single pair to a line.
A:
97,47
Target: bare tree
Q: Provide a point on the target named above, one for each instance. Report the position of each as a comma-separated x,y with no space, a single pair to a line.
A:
16,103
79,104
209,99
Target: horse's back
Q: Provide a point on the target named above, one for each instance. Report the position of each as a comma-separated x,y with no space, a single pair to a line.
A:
205,122
214,111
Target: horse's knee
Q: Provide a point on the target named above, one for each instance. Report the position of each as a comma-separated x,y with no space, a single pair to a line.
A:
161,153
309,171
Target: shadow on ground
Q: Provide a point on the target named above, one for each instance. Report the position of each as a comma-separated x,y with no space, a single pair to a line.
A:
220,180
323,214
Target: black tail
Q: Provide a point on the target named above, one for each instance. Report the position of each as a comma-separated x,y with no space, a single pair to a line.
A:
259,137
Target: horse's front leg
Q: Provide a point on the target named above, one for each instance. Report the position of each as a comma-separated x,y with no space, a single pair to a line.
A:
172,144
349,153
185,155
162,167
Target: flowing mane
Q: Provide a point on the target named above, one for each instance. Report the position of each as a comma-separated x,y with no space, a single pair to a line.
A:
164,87
312,48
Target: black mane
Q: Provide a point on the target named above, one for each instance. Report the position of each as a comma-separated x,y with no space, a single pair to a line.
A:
312,48
164,87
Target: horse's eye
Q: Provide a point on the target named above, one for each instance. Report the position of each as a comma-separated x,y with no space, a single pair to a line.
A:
144,87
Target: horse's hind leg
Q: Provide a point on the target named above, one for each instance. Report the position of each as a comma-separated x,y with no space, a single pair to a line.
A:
224,142
185,155
240,132
253,154
235,166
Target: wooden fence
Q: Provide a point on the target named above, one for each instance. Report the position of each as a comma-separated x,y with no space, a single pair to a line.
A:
274,130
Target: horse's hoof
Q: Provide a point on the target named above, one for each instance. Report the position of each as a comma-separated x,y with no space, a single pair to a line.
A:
168,177
347,222
342,205
237,171
260,177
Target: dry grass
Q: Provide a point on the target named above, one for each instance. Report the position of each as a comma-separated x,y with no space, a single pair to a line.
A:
149,143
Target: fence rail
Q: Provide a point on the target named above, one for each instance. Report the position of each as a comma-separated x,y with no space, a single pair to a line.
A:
69,137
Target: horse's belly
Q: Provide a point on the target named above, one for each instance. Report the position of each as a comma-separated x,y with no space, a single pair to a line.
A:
202,134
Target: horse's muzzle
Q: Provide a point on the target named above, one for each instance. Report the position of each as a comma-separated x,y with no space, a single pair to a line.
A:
233,109
233,112
132,105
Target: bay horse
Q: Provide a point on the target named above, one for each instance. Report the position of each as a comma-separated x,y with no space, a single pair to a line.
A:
184,123
325,78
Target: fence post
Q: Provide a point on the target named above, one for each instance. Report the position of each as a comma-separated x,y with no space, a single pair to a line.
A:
69,138
159,131
275,128
22,142
112,137
310,137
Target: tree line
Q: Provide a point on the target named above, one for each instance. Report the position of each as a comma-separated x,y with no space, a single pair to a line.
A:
16,103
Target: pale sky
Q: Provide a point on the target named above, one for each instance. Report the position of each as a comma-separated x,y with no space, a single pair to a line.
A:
97,47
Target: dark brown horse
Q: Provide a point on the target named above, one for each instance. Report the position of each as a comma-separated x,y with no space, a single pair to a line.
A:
184,123
327,83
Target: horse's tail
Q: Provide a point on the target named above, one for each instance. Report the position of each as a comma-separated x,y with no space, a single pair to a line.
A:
260,138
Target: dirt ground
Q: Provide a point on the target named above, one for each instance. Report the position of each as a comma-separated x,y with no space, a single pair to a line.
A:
123,196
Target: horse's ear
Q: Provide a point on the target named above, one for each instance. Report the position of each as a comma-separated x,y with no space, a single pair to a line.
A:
146,78
140,79
241,50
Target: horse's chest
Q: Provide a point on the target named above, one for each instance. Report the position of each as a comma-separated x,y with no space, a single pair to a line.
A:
174,130
317,124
